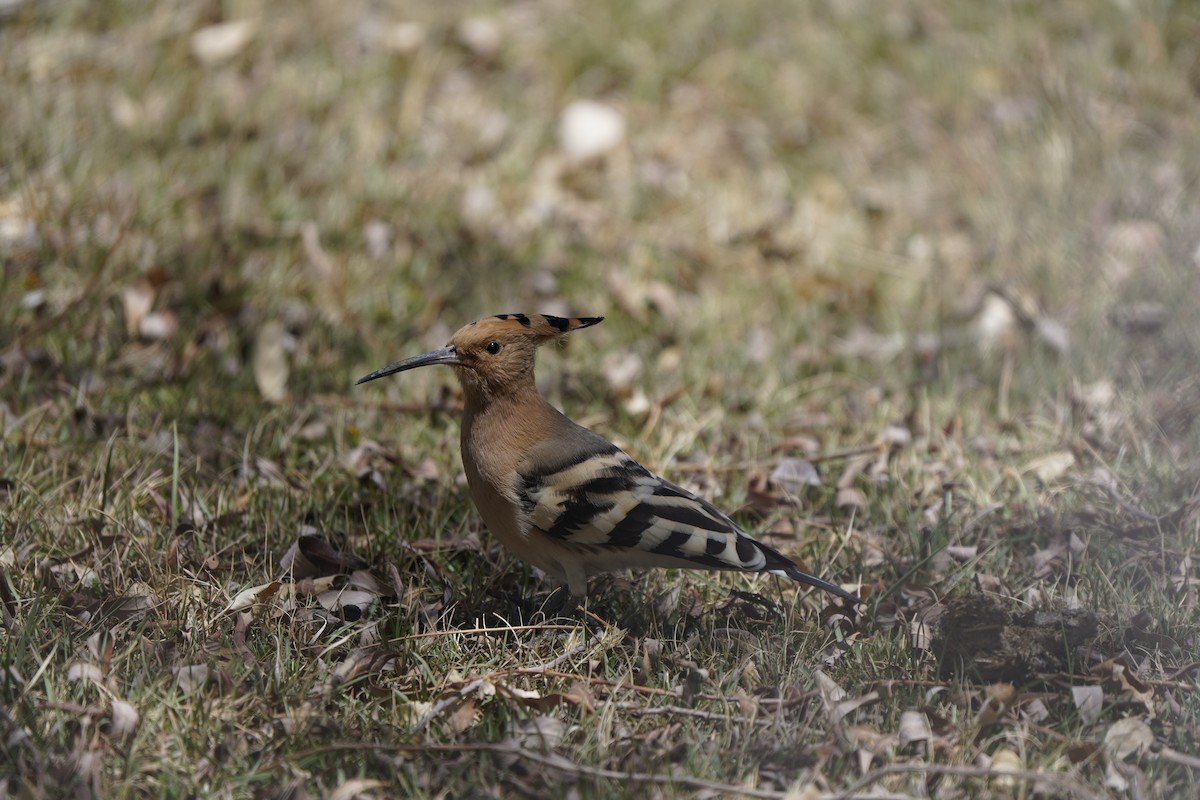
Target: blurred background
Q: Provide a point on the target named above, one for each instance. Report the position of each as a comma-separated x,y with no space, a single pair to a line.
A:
794,186
909,287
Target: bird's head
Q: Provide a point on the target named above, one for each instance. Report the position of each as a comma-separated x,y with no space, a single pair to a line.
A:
493,354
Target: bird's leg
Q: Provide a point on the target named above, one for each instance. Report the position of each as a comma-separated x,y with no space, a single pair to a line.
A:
560,603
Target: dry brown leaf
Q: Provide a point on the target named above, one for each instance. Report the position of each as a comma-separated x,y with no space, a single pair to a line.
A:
216,44
990,583
913,729
254,597
355,789
351,604
271,369
539,732
80,671
1050,467
1121,680
962,552
831,693
125,718
1002,761
189,677
1139,318
362,661
158,326
621,372
311,555
853,704
1089,702
1053,334
370,460
999,698
995,324
921,629
1127,737
851,497
463,718
136,300
894,437
792,475
854,468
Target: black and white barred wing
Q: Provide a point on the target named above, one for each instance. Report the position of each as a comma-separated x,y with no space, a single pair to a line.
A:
604,502
607,501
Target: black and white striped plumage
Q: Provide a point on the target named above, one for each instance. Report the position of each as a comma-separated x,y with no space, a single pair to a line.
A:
562,497
613,512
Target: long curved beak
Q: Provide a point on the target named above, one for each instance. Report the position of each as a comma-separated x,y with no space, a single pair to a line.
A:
445,355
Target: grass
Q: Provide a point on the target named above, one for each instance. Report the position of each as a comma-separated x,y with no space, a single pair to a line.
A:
832,233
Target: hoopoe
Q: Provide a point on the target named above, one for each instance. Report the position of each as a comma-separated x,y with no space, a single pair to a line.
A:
562,497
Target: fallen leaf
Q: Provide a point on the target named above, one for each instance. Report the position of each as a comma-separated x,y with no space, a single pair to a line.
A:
463,718
1121,680
218,43
999,698
136,300
480,35
311,555
962,552
1127,737
254,596
1050,467
158,326
1002,761
80,671
793,474
913,728
1053,334
995,324
125,719
1138,318
270,362
851,497
589,130
1089,702
189,677
540,732
350,603
831,693
354,789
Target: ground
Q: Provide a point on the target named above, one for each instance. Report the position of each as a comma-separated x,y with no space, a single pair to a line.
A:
908,288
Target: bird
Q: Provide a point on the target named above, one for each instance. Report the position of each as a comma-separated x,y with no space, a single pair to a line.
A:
562,497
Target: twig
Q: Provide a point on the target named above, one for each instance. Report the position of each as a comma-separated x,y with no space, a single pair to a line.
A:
833,455
1061,782
441,705
559,764
638,710
474,631
470,687
1116,497
1176,757
547,666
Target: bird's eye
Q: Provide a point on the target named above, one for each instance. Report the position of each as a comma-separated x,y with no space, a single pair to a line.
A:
493,347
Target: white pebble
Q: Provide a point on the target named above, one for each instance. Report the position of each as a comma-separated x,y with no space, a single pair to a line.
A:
589,129
218,43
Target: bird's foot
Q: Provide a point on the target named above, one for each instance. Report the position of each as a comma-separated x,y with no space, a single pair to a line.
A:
562,605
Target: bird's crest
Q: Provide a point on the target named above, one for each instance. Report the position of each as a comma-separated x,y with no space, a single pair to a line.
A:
541,327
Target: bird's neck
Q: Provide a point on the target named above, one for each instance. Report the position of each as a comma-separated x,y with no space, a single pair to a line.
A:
498,428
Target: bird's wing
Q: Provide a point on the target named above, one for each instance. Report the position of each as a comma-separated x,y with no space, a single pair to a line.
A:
599,500
606,500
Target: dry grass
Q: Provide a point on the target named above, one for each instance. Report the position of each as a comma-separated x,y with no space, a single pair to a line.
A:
833,233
